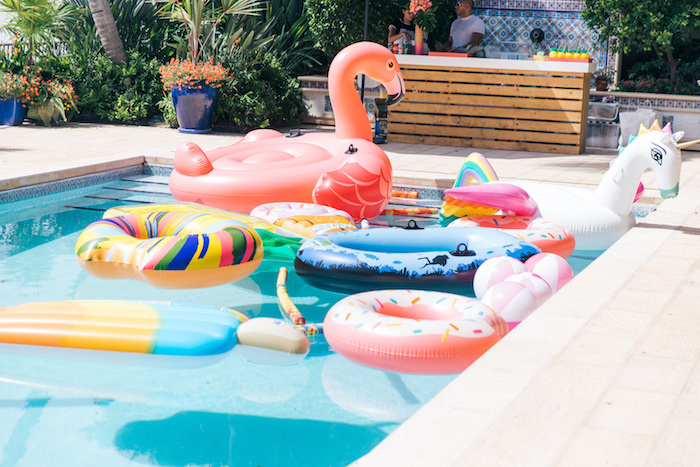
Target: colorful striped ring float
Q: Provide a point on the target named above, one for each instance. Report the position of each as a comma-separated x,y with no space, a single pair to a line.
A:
171,250
548,236
412,331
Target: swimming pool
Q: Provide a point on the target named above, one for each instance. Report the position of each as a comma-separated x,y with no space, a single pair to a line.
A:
324,411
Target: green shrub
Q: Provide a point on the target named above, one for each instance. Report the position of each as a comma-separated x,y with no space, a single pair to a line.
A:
261,93
102,90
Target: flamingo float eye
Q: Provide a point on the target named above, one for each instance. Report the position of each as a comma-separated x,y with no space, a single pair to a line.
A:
390,65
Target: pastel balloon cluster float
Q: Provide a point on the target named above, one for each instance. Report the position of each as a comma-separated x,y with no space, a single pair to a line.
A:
514,289
344,169
599,218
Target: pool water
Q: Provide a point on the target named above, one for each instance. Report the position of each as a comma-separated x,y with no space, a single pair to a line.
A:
88,409
57,411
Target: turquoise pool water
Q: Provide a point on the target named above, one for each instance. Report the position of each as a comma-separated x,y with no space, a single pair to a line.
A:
324,411
59,411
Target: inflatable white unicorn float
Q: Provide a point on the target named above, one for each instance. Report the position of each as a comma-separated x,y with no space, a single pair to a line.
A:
598,218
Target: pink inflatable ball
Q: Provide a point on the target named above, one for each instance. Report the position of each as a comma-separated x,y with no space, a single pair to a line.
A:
512,301
535,283
495,270
552,268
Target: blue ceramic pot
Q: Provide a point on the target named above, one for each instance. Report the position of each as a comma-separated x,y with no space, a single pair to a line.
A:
12,112
194,107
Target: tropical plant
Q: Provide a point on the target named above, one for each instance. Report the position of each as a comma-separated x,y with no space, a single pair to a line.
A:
646,25
424,14
201,18
107,30
39,26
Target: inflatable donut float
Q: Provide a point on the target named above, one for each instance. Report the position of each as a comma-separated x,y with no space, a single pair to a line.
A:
412,331
305,219
548,236
243,220
172,250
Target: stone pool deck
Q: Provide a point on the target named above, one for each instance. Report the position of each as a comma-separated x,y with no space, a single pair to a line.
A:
607,372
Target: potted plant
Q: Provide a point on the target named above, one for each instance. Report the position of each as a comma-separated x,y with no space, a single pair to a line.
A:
602,78
192,81
53,100
17,92
193,90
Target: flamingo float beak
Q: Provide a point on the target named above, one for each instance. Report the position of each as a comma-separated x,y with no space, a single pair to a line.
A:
395,90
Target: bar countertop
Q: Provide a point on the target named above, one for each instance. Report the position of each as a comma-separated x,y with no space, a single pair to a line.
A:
494,63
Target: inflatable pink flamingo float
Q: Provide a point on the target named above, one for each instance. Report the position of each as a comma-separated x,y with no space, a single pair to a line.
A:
344,169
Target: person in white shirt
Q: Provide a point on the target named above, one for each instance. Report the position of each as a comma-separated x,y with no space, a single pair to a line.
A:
466,32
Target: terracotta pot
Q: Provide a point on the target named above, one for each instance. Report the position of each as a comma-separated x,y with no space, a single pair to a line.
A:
601,85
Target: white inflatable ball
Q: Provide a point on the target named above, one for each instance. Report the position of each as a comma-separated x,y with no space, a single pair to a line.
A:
495,270
536,284
512,301
552,268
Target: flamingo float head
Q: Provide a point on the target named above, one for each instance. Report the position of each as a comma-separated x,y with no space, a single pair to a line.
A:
370,59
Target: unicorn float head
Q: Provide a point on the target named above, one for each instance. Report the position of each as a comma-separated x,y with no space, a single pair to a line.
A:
654,148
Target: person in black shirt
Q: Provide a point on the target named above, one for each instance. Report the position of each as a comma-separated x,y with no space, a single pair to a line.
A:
402,30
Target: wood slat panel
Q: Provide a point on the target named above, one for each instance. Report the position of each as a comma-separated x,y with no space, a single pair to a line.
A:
489,90
572,81
484,122
484,133
495,101
481,111
486,144
492,108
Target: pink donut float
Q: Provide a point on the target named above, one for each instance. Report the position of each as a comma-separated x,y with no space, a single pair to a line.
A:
412,331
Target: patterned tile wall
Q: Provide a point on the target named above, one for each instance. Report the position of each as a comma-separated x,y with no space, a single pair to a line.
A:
509,22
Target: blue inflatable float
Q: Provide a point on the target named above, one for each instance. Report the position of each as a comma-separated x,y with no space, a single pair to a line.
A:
381,258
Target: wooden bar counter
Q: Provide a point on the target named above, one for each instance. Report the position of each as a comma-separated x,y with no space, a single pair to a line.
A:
520,105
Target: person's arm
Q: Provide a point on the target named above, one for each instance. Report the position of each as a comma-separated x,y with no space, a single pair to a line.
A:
444,47
393,36
477,37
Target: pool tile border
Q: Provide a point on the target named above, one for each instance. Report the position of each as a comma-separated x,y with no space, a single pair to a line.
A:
57,186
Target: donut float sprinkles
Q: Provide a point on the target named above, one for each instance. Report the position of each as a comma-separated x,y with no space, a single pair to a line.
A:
412,331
